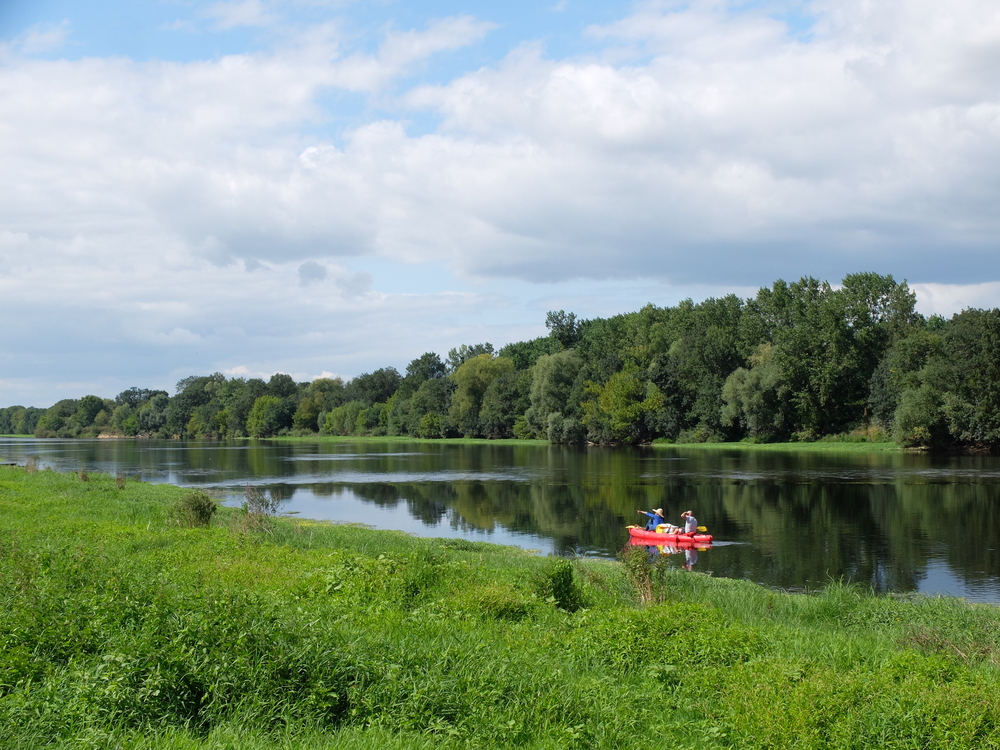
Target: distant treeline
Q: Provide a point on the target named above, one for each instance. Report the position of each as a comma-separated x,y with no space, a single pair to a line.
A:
799,361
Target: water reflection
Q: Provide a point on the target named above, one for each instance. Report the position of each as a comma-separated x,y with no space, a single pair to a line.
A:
896,522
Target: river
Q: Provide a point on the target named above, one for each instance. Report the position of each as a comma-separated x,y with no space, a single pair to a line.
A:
896,522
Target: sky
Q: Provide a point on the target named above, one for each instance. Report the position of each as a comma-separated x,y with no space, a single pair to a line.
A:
326,187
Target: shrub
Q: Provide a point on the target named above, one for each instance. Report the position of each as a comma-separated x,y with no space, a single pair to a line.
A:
194,509
562,588
431,426
259,506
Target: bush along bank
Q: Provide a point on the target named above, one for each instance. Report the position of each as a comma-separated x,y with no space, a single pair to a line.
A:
125,623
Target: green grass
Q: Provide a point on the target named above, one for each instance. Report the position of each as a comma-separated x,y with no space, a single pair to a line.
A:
121,627
815,447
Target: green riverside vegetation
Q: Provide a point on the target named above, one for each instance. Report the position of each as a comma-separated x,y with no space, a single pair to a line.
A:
137,616
799,362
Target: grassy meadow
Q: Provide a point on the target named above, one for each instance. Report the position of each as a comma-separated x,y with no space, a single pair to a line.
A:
124,624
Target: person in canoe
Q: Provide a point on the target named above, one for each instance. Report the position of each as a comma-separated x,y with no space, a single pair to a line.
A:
655,518
690,522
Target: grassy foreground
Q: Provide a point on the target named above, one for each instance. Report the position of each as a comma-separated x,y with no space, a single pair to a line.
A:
121,628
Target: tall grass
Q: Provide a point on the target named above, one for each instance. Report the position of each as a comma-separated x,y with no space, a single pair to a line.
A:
118,628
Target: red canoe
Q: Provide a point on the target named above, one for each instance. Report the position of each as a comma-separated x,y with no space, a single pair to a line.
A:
654,537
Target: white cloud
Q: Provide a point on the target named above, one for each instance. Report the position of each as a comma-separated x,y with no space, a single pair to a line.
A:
228,15
178,336
948,299
311,272
402,50
171,206
42,38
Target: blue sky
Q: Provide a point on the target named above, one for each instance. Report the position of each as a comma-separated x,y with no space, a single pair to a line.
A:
319,187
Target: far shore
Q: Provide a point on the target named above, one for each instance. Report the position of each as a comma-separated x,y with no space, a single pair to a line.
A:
819,446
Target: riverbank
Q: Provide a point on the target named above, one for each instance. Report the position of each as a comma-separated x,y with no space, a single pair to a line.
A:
121,627
399,439
819,446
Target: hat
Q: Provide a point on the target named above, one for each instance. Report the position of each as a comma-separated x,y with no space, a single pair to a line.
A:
658,511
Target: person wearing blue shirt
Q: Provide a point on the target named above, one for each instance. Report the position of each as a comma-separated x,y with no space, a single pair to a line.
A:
655,518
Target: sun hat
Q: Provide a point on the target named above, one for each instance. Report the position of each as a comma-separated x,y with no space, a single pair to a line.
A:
658,511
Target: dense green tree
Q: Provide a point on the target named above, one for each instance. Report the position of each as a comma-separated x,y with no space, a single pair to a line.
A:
317,397
193,391
432,397
281,385
237,401
618,411
343,419
504,400
19,420
135,397
151,417
397,414
268,416
552,381
87,409
899,370
375,387
563,327
56,420
471,379
524,354
677,397
461,354
424,367
756,400
972,402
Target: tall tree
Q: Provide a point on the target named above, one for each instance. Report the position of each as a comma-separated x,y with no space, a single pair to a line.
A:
471,379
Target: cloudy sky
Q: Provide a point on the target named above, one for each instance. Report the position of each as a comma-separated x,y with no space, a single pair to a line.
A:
313,186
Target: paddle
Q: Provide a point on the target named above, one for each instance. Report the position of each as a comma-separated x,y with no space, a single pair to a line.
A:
703,528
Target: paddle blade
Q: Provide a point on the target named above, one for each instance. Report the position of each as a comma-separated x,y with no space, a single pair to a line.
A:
703,528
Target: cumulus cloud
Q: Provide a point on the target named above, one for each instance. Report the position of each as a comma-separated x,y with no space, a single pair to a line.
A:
42,38
311,272
947,299
195,206
400,50
730,149
228,15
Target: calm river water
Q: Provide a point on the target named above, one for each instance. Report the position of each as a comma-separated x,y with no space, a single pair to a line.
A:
896,522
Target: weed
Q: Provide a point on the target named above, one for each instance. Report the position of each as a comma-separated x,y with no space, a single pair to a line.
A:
195,509
259,506
120,480
84,476
31,464
646,576
561,586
